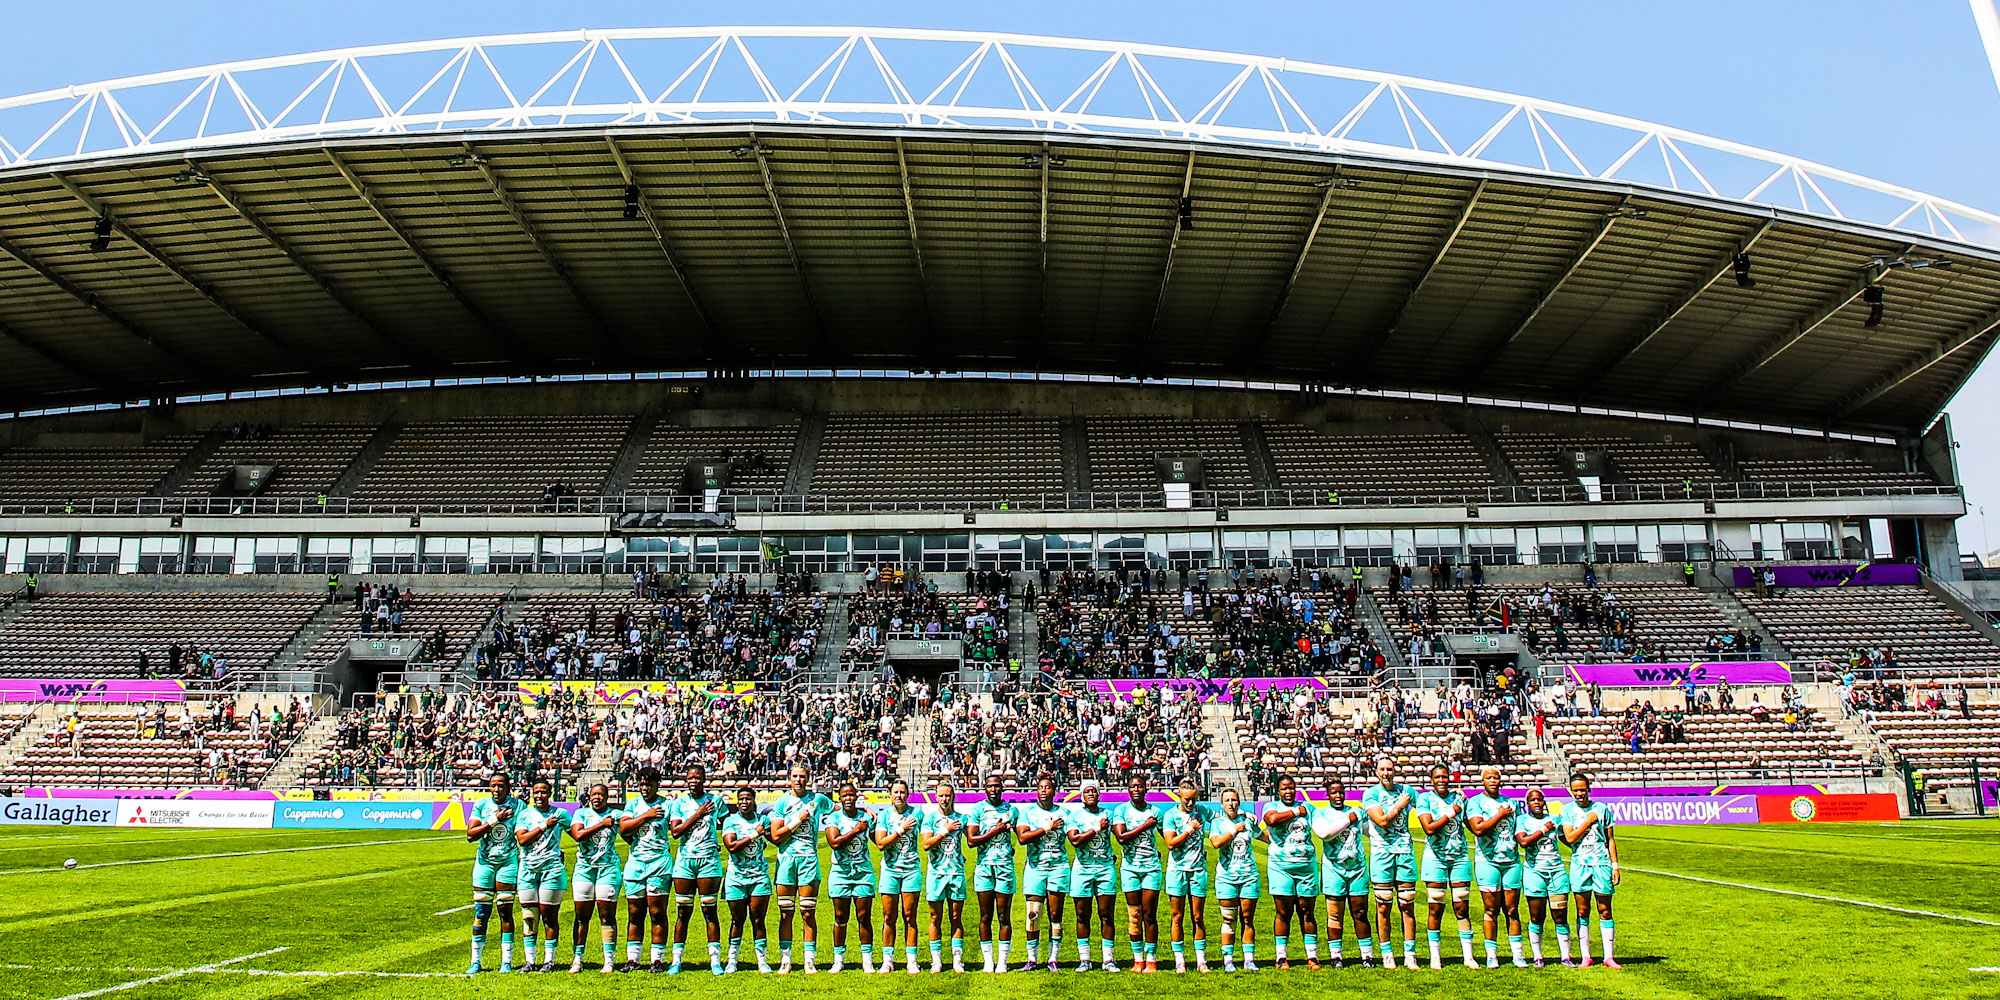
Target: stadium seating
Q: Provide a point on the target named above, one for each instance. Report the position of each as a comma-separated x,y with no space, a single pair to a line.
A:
1670,621
1376,464
946,456
96,634
670,447
712,636
853,734
456,741
76,473
1072,735
1924,636
498,459
1827,472
151,746
459,616
1536,458
1729,746
1944,744
1350,753
1122,449
309,459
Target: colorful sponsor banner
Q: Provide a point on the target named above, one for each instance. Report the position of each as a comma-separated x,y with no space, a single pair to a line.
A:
354,815
1698,811
206,794
1737,672
1871,575
15,689
1879,806
18,811
1989,792
218,814
616,693
404,795
1206,689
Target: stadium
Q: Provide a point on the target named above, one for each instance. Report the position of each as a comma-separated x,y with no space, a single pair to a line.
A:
936,413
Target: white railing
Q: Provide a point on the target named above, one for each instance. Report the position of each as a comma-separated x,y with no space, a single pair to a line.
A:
638,78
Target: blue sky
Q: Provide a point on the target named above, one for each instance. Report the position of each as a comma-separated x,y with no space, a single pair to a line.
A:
1899,91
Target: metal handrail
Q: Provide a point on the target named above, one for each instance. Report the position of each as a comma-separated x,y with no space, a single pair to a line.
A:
770,503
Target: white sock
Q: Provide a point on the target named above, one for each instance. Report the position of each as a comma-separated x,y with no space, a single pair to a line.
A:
1562,939
986,954
714,952
1109,951
1583,939
1514,945
1535,941
631,951
1492,950
1606,929
1005,947
1034,952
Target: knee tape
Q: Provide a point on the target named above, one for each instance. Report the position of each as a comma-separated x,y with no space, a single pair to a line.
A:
1385,894
784,902
809,904
482,897
1460,894
683,899
1435,894
707,901
504,897
1407,895
1229,918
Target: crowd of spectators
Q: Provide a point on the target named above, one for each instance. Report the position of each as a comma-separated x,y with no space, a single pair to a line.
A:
873,618
1097,626
725,634
847,735
431,739
1071,733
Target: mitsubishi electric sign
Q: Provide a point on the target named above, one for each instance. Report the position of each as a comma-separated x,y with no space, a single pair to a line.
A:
353,816
211,813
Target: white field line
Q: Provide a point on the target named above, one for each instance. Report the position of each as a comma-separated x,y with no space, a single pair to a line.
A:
171,974
176,839
199,857
455,909
1828,899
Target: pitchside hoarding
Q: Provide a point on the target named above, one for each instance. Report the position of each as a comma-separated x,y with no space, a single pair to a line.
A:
18,811
1872,575
615,693
14,689
354,815
207,813
1206,689
1738,672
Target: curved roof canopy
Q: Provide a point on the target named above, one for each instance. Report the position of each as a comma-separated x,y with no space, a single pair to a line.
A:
676,199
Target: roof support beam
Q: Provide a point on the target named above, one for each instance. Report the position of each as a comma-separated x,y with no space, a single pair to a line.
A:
86,373
522,355
201,288
605,340
1256,352
666,243
98,306
1365,364
1166,271
916,241
785,233
1711,274
1951,346
1492,355
1769,350
1038,346
411,356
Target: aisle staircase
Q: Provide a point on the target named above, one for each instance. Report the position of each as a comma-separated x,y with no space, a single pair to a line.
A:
304,750
913,762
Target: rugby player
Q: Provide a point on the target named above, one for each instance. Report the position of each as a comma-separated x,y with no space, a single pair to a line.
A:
695,821
1137,827
747,887
643,823
1047,879
993,878
539,830
595,883
795,822
1294,872
1343,875
896,831
852,886
495,870
1390,865
943,839
1093,876
1545,878
1186,826
1593,866
1496,865
1236,888
1447,865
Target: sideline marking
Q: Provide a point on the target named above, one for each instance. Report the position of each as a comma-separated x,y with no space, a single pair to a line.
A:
1829,899
173,974
455,909
199,857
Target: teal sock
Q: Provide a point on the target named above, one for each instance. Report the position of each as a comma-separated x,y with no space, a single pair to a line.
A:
1228,952
1280,941
609,951
1178,949
808,949
577,951
1434,936
937,948
785,948
839,952
1249,953
1312,946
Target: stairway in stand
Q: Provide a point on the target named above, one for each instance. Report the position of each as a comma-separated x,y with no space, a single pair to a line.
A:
304,750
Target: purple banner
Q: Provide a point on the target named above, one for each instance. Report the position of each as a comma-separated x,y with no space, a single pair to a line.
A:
72,689
219,794
1989,792
1216,689
1675,674
1872,575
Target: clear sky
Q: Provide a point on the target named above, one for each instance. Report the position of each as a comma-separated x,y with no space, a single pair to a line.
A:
1898,91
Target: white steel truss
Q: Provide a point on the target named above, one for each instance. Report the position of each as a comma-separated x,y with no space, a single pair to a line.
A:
925,80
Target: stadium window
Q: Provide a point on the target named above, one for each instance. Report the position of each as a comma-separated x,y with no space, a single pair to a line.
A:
1560,544
1683,542
389,555
327,555
447,555
1002,552
212,555
1437,545
275,555
946,553
1492,546
96,554
1247,549
1615,543
1366,547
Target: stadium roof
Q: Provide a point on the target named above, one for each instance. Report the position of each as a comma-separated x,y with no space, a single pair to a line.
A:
675,199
